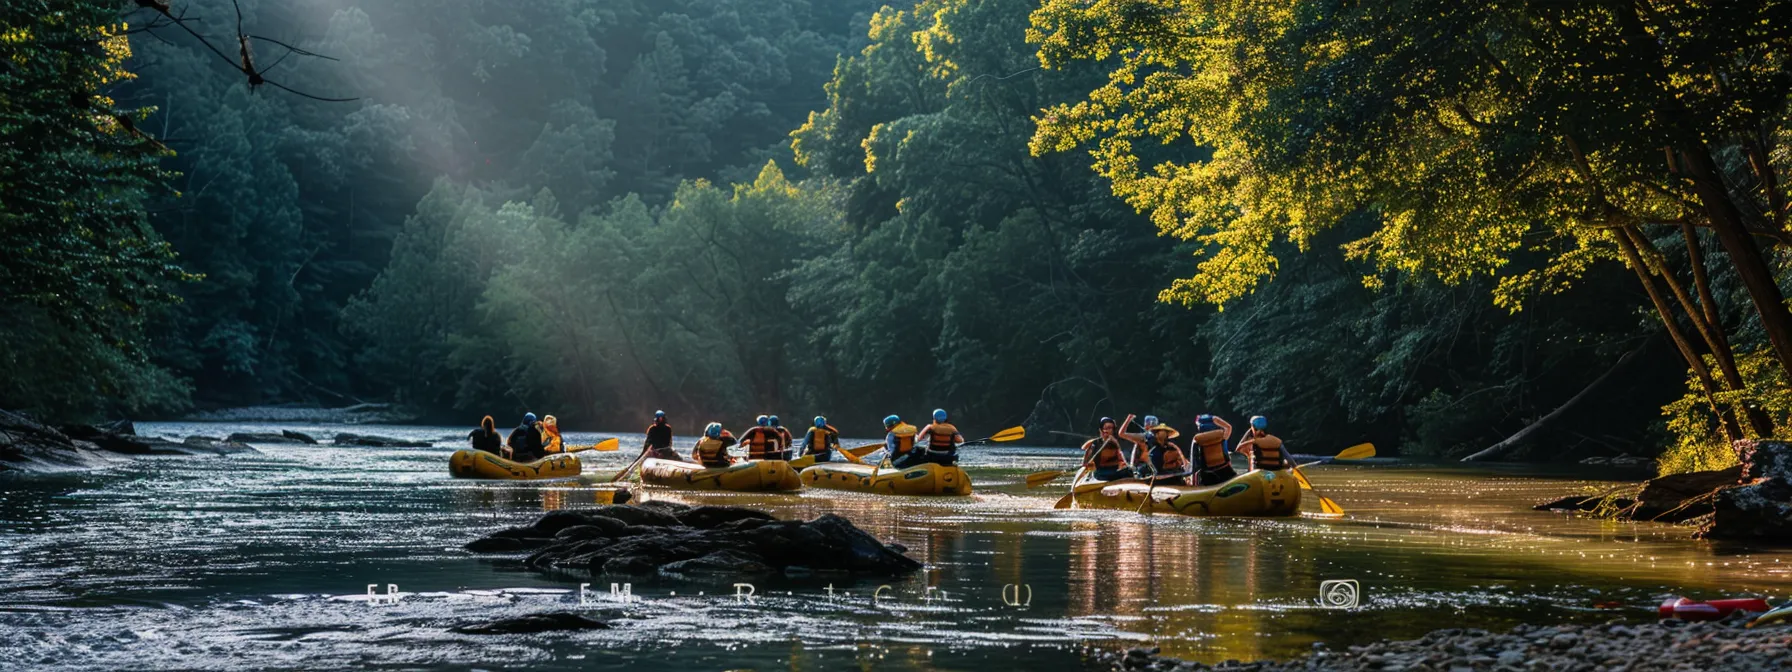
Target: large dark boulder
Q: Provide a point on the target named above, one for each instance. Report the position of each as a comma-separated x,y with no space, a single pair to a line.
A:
264,437
1680,497
707,541
549,622
371,441
1761,510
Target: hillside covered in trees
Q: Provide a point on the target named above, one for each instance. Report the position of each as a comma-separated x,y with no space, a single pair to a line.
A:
1432,226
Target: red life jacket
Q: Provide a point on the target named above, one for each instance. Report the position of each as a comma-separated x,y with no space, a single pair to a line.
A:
761,442
941,437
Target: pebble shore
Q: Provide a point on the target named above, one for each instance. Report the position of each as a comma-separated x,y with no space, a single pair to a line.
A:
1612,647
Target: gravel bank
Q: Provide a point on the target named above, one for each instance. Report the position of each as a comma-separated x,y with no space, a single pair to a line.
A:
1615,646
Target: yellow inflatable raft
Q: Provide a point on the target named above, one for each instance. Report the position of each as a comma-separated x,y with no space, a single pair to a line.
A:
1253,493
926,479
750,476
466,463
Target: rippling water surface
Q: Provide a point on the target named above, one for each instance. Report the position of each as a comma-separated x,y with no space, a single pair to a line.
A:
264,560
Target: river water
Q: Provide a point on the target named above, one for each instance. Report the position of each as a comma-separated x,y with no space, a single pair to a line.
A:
264,560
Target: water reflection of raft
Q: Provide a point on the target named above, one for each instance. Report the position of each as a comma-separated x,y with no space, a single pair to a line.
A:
1253,493
466,463
926,479
750,476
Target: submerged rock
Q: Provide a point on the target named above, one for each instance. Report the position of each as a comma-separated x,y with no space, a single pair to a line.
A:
548,622
694,541
371,441
257,437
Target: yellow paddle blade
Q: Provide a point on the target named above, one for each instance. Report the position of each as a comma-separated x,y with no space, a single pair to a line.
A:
608,444
1302,478
1039,478
803,462
1329,506
1357,452
1010,434
1064,502
862,451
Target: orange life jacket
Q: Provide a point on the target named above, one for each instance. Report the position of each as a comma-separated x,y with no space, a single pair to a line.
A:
713,451
761,442
905,438
940,437
1105,453
1212,444
822,439
1266,451
1172,458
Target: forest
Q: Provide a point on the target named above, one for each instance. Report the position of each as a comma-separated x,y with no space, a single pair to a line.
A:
1547,231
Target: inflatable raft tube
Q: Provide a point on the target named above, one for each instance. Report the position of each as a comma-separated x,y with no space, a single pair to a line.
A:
465,463
748,476
925,479
1253,493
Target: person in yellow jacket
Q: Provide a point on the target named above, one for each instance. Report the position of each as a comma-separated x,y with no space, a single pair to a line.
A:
899,442
550,435
821,441
712,450
939,441
1264,448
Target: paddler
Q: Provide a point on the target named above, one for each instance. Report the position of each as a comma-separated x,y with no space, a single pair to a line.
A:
524,442
940,441
487,438
1264,448
659,439
550,435
712,450
1105,454
762,441
899,442
1169,466
821,441
788,439
1210,447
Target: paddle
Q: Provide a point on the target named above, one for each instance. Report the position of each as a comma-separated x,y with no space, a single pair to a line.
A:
1356,452
604,446
1009,434
631,466
1064,502
1039,478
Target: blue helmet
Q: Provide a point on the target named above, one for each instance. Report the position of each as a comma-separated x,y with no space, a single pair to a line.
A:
528,418
714,430
763,421
1204,419
939,415
1105,421
659,415
1150,421
891,421
821,421
1259,422
774,421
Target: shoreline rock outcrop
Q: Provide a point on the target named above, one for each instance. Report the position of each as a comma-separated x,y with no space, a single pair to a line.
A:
1751,501
31,446
371,441
681,541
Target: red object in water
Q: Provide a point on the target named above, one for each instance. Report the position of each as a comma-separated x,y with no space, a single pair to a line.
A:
1689,610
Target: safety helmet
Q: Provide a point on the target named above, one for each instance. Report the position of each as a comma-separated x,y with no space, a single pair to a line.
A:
1259,422
891,421
939,415
1204,419
763,421
1150,421
714,430
774,421
821,421
659,415
1105,421
528,418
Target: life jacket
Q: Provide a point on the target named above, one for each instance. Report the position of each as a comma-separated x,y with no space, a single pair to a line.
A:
822,443
761,443
711,451
1107,453
1166,457
785,436
550,439
905,438
1212,444
1210,426
939,437
1268,453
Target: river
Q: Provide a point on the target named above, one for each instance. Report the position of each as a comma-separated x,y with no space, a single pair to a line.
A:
264,560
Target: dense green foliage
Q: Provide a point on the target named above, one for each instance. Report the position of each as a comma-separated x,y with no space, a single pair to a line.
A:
596,208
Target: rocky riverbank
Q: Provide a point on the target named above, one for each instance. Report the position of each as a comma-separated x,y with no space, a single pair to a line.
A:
359,414
1666,645
31,446
681,541
1750,501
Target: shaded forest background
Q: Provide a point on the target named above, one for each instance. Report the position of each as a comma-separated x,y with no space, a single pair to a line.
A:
725,207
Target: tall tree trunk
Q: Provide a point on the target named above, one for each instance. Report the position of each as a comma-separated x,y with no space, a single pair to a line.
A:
1701,280
1713,335
1751,265
1726,421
